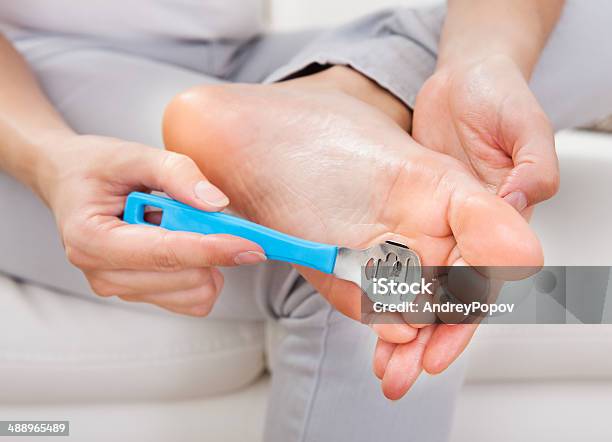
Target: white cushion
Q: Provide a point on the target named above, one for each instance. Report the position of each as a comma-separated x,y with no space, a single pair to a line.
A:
232,417
540,353
543,412
58,347
575,229
574,226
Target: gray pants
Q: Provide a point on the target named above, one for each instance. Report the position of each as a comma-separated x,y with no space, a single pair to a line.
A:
320,391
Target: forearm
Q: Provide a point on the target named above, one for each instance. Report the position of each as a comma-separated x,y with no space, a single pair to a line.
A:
518,29
27,119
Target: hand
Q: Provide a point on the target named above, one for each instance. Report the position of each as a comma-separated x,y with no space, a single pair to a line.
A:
484,114
86,184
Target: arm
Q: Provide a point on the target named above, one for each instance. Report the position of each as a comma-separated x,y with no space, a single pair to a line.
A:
26,118
518,29
477,107
85,179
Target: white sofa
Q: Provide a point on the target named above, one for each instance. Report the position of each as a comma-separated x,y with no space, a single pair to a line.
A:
133,373
129,372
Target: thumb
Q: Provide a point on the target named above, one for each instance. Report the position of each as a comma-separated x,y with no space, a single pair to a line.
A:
179,177
535,176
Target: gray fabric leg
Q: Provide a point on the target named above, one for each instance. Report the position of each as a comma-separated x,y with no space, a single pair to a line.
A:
397,49
258,58
323,388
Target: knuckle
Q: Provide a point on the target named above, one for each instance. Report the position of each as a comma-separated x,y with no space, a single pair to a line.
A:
75,245
201,310
102,288
211,291
202,277
165,261
218,280
550,184
174,162
208,295
165,257
77,257
73,255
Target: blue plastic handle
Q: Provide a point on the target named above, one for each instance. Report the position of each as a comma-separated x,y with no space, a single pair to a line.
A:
276,245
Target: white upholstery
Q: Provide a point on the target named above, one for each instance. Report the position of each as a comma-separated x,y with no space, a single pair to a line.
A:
543,353
574,226
202,380
233,417
551,382
566,411
63,348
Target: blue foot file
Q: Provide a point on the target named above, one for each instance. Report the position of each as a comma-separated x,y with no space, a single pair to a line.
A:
343,262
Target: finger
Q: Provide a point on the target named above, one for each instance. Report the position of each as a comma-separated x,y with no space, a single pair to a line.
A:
175,174
197,301
446,344
535,176
395,332
382,355
405,365
421,318
136,282
346,297
489,232
153,217
138,247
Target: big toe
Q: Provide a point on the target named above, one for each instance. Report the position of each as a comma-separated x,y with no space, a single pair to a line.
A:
489,232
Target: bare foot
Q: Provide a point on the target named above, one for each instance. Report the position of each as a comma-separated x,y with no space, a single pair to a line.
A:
316,162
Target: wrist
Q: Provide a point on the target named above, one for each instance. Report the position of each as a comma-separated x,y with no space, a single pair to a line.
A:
500,61
459,54
478,29
45,160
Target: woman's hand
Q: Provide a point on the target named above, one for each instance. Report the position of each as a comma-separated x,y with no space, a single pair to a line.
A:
484,114
477,107
86,182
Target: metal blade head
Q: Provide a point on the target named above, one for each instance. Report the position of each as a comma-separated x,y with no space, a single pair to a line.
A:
389,260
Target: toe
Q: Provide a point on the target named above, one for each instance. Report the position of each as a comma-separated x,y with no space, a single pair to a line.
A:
489,232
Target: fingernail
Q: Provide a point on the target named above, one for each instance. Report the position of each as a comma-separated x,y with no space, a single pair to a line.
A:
210,194
518,200
251,257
